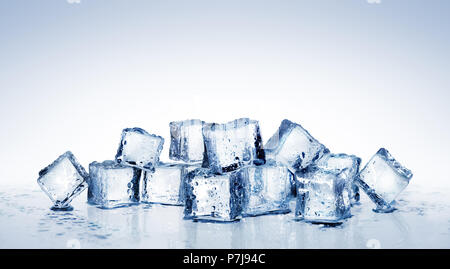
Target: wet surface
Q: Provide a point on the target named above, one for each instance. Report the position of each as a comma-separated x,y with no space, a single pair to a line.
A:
422,220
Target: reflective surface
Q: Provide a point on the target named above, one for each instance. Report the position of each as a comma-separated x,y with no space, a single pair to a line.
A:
26,221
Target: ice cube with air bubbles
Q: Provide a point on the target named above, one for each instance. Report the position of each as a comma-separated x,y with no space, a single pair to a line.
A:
294,147
383,178
232,145
213,197
63,180
165,185
139,149
186,141
322,197
348,165
113,185
267,189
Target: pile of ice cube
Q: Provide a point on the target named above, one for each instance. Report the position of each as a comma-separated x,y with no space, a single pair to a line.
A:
222,172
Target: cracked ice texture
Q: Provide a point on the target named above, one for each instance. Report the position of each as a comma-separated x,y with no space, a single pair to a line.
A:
348,165
212,197
63,180
232,145
186,141
139,149
383,178
267,189
113,185
165,185
321,197
294,147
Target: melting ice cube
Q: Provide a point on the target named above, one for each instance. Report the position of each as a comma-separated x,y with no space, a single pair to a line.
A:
186,141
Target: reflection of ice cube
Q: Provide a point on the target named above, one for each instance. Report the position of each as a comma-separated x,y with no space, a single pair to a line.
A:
139,149
267,189
348,165
322,197
232,145
212,197
63,180
383,178
165,185
186,141
294,147
113,185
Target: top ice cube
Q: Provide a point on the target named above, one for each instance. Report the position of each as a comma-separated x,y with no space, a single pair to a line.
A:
232,145
294,147
186,141
63,180
383,178
139,149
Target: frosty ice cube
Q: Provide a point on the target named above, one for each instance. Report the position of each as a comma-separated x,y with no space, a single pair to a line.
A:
232,145
63,180
113,185
165,185
186,141
139,149
267,189
348,165
383,178
213,197
321,197
294,147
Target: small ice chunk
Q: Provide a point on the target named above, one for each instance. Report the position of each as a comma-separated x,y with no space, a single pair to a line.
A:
213,197
232,145
383,178
186,141
165,185
267,189
113,185
294,147
139,149
63,180
348,165
321,197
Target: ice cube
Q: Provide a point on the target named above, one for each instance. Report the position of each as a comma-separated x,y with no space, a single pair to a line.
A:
232,145
267,189
348,165
63,180
383,178
139,149
186,141
213,197
321,197
294,147
165,185
113,185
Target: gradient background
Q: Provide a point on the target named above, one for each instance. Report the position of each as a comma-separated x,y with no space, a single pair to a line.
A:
357,75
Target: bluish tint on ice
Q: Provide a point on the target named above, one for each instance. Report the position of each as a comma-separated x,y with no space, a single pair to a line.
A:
383,179
139,149
232,145
186,141
63,180
113,185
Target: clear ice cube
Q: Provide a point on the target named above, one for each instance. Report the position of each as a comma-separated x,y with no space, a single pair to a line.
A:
165,185
213,197
321,197
139,149
232,145
383,179
294,147
63,180
348,165
186,141
267,189
113,185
